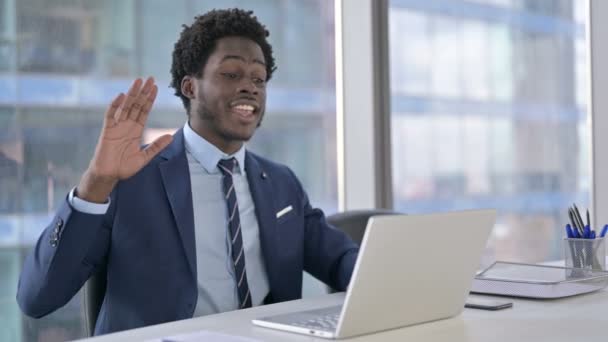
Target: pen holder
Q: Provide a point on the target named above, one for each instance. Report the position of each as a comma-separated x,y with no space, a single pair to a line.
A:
584,256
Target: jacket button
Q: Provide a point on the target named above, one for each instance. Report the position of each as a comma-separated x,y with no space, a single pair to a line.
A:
59,223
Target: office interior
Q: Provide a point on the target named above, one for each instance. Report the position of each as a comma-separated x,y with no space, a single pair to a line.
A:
419,106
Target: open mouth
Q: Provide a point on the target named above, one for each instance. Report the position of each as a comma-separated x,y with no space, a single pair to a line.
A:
246,112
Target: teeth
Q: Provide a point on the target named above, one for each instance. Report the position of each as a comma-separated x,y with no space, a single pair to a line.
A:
245,107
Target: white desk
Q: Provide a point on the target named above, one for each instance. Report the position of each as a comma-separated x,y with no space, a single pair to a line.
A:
579,318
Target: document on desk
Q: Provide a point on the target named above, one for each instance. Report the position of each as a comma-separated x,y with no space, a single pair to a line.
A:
204,335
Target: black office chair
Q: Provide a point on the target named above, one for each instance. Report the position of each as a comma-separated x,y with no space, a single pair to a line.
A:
354,222
93,292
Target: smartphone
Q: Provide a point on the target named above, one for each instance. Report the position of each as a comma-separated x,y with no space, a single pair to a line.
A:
487,303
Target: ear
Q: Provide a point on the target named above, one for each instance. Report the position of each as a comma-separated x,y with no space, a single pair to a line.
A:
188,87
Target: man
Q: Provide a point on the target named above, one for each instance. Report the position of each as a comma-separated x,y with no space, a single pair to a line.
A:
192,224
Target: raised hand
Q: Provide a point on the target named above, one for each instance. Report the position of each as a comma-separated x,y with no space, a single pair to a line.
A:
118,154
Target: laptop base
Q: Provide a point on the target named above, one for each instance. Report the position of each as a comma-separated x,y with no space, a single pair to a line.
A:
319,322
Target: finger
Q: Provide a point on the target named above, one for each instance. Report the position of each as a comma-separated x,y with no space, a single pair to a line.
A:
156,146
114,105
123,110
145,110
140,99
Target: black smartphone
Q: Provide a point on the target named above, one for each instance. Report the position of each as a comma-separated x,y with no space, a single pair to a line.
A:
487,303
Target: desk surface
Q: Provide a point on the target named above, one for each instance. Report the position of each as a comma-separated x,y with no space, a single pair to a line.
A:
579,318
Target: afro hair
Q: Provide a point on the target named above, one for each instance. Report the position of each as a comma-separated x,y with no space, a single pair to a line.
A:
197,42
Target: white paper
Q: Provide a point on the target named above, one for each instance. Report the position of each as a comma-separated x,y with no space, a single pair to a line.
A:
204,335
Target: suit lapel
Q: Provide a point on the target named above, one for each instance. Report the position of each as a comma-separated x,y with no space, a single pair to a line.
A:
176,179
261,188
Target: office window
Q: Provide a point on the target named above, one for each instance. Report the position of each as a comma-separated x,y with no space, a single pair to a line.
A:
62,61
488,110
7,35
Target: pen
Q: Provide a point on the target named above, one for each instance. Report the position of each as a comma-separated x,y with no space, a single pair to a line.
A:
572,219
577,215
587,233
578,219
569,234
588,219
575,233
574,222
604,231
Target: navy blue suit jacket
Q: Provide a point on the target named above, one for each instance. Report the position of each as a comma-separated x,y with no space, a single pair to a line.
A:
145,242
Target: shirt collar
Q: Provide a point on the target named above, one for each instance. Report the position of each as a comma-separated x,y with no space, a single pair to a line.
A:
207,154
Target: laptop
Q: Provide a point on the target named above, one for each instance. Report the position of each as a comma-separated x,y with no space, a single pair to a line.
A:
410,269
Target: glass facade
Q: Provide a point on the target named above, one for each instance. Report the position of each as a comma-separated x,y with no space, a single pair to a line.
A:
489,110
488,105
62,61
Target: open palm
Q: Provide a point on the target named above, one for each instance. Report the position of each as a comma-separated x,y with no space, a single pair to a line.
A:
118,154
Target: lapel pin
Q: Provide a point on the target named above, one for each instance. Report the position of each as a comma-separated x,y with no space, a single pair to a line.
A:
264,175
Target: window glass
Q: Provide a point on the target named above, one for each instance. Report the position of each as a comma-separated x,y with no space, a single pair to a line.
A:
74,56
488,110
7,35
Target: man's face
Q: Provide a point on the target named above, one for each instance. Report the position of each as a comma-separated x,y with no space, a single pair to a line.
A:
230,98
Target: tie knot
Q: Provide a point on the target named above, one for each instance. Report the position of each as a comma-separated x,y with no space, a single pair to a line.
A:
227,165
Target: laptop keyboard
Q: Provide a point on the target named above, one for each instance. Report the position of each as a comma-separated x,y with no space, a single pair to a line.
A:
327,322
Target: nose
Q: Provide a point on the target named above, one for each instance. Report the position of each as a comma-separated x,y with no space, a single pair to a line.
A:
248,87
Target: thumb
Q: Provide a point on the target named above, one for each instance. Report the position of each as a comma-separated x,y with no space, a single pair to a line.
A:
156,146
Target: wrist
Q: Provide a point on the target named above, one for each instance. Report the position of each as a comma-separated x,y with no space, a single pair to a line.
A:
95,188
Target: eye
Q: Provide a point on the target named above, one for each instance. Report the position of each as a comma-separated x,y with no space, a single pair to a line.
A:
259,81
230,75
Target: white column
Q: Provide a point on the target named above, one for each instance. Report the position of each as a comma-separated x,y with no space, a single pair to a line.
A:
363,111
598,104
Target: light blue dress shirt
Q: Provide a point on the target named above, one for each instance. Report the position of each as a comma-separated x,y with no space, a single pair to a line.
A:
217,291
216,279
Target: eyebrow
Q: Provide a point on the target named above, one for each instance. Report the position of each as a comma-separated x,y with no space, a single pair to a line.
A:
240,58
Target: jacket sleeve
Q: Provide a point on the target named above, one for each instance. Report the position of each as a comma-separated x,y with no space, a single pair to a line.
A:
67,253
329,254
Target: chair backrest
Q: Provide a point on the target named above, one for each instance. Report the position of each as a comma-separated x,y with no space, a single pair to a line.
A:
353,222
93,293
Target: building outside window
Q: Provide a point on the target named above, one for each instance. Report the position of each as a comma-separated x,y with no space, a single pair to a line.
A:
487,96
61,63
489,110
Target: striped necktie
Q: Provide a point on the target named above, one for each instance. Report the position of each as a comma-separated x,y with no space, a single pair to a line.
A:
234,226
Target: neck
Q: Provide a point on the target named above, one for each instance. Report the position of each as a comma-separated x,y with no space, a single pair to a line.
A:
228,147
223,144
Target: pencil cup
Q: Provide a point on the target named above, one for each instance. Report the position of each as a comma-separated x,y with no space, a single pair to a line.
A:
584,256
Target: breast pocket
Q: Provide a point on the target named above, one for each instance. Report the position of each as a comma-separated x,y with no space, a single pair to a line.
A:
285,214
